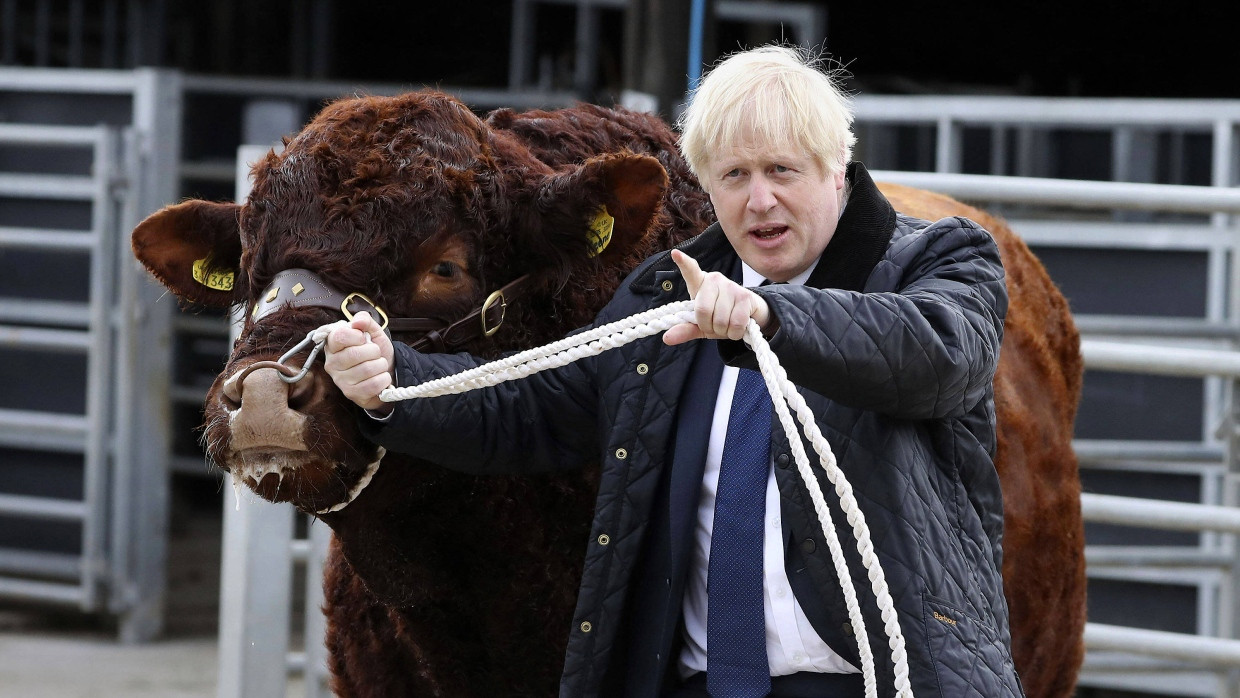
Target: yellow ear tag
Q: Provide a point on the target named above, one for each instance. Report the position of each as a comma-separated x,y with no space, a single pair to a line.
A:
600,231
218,280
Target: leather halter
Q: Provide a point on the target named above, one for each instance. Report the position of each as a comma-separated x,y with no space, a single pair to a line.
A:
303,288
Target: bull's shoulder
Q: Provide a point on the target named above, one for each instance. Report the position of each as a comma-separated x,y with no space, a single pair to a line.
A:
1041,341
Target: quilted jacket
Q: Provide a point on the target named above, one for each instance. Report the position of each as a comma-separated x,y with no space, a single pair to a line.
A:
893,342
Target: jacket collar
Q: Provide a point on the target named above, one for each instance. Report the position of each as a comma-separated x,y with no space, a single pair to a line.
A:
860,239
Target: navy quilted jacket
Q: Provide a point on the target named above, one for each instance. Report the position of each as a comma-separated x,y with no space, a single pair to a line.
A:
897,370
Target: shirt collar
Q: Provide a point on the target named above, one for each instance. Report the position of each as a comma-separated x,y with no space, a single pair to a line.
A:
751,278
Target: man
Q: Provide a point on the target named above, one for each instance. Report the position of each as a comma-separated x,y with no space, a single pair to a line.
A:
707,571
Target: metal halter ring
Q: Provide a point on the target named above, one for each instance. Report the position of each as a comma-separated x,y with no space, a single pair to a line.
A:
486,306
344,308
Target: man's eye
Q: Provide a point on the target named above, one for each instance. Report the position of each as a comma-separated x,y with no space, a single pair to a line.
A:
780,168
444,269
733,173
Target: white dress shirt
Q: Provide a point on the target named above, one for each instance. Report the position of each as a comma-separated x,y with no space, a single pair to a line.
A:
792,645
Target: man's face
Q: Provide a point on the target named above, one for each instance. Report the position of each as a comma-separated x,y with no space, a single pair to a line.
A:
777,205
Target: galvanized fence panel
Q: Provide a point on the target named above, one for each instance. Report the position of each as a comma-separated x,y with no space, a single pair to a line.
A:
79,328
119,434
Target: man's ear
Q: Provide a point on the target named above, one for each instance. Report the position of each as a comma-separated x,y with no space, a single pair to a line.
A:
194,248
602,209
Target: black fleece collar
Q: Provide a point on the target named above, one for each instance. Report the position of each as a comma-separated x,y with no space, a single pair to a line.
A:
860,239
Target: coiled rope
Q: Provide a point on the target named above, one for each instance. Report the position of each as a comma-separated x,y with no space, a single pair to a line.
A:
786,400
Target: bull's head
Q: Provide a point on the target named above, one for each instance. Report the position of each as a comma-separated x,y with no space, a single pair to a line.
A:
414,203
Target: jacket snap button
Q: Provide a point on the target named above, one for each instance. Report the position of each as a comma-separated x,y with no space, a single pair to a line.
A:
667,285
847,628
808,546
642,369
586,626
604,539
621,453
782,460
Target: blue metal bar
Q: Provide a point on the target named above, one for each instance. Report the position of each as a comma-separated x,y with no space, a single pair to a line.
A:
697,20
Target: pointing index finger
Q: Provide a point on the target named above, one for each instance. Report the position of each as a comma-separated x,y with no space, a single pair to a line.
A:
690,270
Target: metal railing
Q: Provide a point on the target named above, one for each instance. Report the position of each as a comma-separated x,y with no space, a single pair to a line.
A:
87,328
121,434
1127,657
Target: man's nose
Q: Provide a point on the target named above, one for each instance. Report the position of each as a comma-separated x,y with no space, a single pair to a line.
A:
761,195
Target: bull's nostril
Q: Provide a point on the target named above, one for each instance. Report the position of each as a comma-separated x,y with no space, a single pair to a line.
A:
232,393
301,392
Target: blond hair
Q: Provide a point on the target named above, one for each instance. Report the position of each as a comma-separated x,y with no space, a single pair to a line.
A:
776,95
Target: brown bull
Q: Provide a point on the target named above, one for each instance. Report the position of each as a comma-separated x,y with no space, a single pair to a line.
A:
446,584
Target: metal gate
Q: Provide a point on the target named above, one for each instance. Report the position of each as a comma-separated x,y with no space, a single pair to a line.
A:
83,363
40,335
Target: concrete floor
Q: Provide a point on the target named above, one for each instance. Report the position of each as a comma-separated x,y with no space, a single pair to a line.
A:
51,652
75,664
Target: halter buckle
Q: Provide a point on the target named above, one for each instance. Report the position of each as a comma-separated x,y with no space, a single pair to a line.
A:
496,296
344,308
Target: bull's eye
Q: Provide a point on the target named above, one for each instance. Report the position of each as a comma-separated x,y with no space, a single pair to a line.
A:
445,269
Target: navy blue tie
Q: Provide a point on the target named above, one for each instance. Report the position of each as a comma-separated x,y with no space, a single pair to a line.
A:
736,664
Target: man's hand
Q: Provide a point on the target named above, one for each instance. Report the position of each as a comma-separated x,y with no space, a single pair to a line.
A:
722,307
359,358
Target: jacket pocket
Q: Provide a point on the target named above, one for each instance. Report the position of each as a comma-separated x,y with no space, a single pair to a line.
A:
968,657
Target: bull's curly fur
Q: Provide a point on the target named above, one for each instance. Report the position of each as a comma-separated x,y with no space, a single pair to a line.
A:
443,584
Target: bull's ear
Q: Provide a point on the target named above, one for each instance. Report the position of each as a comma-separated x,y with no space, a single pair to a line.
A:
194,248
610,203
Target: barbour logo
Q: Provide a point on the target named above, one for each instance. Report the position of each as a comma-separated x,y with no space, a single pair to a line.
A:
945,619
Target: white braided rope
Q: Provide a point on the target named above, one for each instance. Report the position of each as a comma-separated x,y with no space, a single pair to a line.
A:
560,353
621,332
777,383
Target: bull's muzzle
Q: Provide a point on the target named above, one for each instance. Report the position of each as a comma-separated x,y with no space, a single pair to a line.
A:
263,410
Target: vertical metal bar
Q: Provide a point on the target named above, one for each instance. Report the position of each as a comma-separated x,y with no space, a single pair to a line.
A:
99,366
315,622
1218,289
1121,153
143,419
1222,165
697,18
1229,593
42,32
77,20
521,47
998,150
586,49
947,146
127,592
1231,448
255,575
1212,483
8,32
257,567
1222,175
1034,152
